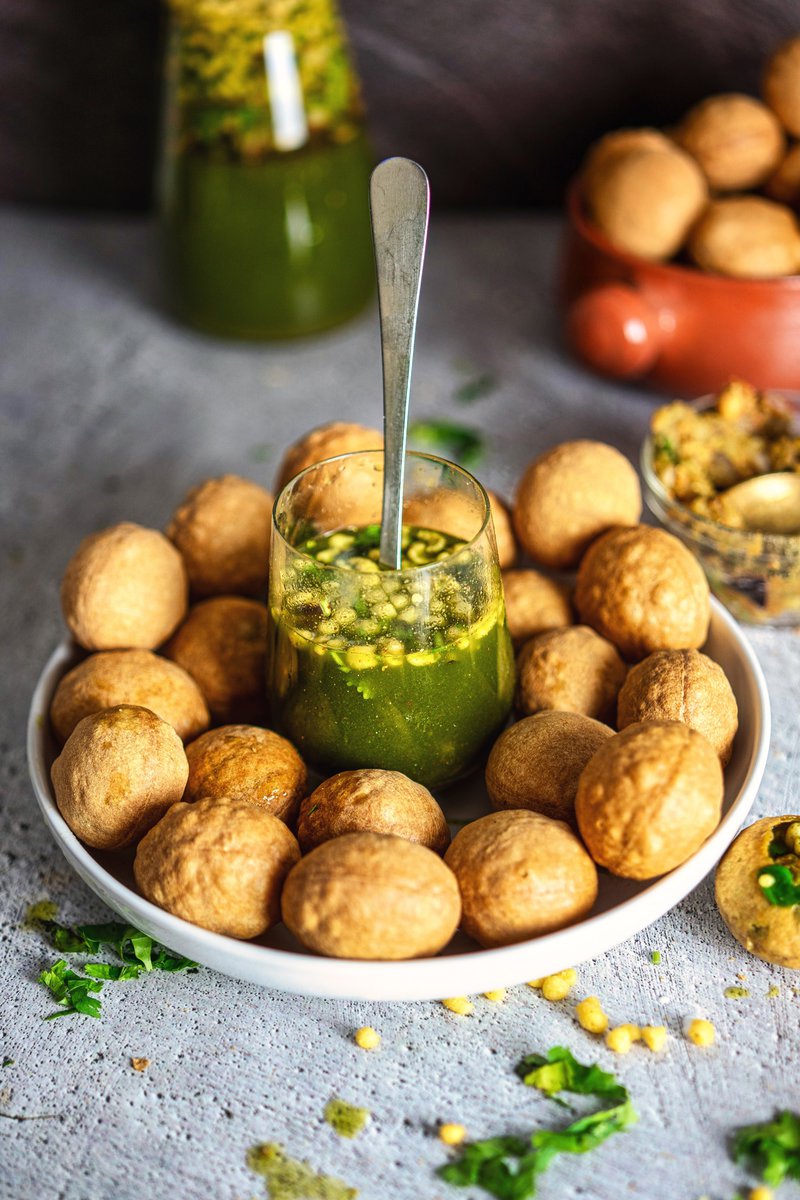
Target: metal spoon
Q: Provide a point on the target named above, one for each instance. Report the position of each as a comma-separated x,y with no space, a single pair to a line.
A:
399,198
768,503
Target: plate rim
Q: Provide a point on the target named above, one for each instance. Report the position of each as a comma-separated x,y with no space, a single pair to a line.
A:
414,979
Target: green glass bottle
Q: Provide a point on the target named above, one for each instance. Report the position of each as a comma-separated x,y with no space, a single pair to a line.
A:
263,188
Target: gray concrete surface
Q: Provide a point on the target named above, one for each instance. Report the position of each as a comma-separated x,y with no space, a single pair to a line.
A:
108,412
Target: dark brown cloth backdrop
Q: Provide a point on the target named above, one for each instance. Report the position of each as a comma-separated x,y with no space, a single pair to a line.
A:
497,98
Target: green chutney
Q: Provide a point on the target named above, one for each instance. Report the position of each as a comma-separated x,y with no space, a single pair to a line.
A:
410,671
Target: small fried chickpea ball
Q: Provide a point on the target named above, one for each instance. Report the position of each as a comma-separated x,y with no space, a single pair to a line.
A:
220,864
646,200
534,603
374,801
537,762
782,84
644,591
223,646
752,863
571,670
244,762
649,798
520,875
136,677
371,896
124,587
682,685
616,144
747,237
784,184
569,495
119,772
222,529
326,441
736,140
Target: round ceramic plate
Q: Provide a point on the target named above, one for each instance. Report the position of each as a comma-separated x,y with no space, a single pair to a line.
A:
623,907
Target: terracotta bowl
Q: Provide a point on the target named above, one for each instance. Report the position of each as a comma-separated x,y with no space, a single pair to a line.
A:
679,329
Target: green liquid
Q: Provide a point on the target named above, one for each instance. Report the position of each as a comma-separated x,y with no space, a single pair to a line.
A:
412,672
268,249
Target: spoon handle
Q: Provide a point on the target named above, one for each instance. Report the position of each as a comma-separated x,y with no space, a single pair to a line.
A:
399,199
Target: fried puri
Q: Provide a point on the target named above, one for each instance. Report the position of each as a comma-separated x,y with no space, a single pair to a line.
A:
371,896
644,591
124,588
648,798
118,773
220,864
373,801
246,762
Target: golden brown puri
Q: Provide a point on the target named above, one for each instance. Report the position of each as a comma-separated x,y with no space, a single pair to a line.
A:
218,863
770,931
747,237
571,494
503,531
644,591
371,896
222,529
571,670
124,587
245,762
536,763
521,874
451,512
736,140
646,200
782,84
648,798
326,441
136,677
119,772
682,685
784,184
372,801
614,145
534,603
223,645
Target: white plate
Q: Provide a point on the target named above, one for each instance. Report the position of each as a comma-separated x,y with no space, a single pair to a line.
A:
623,907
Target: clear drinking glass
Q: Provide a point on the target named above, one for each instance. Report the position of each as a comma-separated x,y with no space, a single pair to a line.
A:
408,670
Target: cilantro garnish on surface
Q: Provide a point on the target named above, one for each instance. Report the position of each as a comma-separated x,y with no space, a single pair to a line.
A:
771,1147
136,950
507,1167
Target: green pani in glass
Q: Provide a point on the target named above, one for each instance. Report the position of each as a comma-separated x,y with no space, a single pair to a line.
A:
264,172
408,670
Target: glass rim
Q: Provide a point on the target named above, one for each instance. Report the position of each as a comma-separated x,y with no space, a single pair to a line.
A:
384,571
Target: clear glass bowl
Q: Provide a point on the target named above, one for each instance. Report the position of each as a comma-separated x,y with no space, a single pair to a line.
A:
755,575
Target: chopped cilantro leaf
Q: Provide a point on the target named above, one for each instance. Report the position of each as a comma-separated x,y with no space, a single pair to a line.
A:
465,445
71,990
778,885
772,1147
559,1071
8,1062
507,1167
655,957
664,445
100,970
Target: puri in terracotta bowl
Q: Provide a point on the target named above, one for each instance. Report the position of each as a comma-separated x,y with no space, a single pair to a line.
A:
679,329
